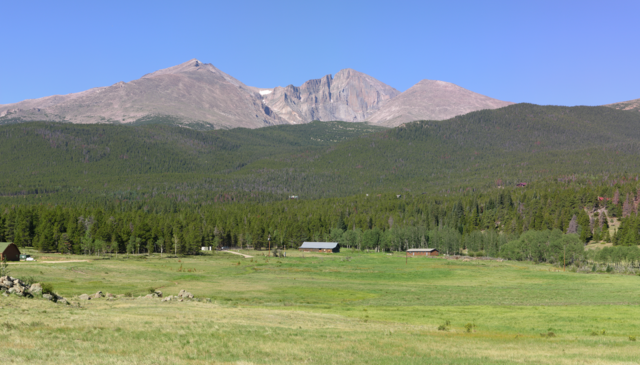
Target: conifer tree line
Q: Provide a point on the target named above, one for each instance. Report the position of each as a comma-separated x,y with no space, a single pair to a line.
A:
542,223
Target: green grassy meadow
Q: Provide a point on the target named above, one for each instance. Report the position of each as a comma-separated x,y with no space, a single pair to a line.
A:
347,308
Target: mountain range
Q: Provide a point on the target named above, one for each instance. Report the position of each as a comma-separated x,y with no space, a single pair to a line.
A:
196,93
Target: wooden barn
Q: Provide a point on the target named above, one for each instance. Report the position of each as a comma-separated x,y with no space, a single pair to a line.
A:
320,247
423,252
9,251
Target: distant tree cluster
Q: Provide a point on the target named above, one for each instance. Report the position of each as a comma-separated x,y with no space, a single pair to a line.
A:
533,223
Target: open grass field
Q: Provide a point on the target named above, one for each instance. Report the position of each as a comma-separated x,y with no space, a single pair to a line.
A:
347,308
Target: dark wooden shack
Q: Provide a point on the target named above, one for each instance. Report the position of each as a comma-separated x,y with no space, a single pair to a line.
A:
328,247
423,252
9,251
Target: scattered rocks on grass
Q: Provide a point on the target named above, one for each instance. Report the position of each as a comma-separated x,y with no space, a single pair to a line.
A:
9,285
15,286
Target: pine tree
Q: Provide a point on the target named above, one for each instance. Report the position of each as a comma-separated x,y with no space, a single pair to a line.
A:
626,207
573,225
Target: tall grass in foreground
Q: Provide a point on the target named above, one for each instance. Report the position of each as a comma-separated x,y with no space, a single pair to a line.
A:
373,309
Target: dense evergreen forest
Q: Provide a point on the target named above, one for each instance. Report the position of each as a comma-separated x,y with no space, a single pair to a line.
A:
55,162
536,222
451,185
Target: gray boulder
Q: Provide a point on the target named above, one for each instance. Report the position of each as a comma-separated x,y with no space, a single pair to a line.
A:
158,293
97,295
85,297
167,299
35,289
185,294
48,296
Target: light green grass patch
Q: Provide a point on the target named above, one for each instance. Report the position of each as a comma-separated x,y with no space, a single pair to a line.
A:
373,309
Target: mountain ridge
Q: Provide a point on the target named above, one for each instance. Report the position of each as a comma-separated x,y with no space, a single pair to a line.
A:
631,105
199,94
433,100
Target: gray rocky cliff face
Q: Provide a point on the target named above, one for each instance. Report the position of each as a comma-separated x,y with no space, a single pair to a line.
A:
349,96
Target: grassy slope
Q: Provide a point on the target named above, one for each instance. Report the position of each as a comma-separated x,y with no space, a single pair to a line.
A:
372,309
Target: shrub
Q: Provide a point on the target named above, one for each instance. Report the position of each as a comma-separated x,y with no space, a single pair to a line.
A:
442,327
4,268
128,294
632,338
47,288
29,280
470,327
151,290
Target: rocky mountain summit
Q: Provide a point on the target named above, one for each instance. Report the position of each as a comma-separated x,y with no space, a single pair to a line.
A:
196,93
350,96
432,100
192,91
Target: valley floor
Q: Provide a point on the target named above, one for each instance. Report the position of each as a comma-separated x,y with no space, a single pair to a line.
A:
349,308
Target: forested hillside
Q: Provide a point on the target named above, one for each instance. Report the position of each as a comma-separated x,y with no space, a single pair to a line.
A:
448,184
56,162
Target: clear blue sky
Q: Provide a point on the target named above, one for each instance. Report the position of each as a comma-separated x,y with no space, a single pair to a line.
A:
543,52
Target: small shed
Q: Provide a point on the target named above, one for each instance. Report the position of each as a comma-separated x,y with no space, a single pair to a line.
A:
320,247
9,251
423,252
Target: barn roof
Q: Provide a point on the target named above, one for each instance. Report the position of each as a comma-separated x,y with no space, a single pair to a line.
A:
330,245
422,250
4,245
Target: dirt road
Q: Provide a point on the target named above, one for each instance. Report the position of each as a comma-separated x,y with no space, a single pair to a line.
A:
46,262
238,253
